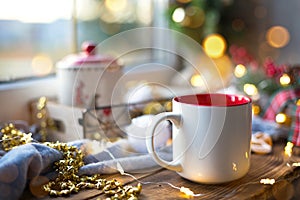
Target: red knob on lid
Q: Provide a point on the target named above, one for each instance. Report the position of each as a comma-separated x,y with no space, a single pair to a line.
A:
88,47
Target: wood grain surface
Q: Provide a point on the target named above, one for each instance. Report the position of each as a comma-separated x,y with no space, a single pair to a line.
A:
157,184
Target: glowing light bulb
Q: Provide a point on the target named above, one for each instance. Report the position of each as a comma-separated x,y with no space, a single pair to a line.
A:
288,149
234,167
214,45
267,181
197,80
250,89
178,15
186,191
280,118
240,71
285,80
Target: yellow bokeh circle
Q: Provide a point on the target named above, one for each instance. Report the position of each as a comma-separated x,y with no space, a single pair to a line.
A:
278,36
214,45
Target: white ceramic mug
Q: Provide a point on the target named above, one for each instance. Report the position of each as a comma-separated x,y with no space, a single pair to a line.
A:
211,136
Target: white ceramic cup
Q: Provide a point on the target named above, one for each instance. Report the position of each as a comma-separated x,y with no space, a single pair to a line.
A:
211,136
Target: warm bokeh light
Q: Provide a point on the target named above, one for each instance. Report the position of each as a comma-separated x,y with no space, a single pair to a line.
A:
298,102
281,118
278,36
214,45
178,15
255,109
285,80
197,81
116,5
240,71
194,17
250,89
41,65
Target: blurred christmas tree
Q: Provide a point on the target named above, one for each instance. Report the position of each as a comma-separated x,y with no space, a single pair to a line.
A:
274,89
265,79
197,18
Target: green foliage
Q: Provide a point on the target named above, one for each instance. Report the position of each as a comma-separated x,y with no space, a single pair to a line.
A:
202,17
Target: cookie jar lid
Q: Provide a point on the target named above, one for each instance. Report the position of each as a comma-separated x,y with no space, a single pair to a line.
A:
87,58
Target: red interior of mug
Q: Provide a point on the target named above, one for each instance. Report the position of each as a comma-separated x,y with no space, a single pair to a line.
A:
214,99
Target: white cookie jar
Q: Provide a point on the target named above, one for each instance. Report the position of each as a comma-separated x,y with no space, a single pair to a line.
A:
88,79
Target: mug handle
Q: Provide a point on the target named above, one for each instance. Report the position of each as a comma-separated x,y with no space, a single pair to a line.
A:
176,120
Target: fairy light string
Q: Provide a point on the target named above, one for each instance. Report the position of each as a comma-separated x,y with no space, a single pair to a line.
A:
184,190
187,192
